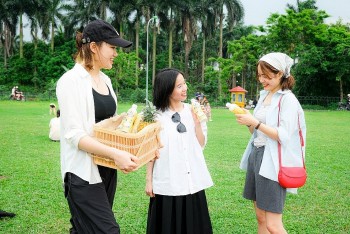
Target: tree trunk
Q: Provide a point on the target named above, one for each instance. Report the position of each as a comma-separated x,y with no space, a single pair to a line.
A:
35,71
187,31
244,73
137,67
221,34
20,36
170,59
52,34
203,58
341,89
234,80
5,41
171,28
103,11
220,52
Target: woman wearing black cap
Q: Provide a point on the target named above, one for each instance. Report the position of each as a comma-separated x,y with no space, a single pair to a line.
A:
85,96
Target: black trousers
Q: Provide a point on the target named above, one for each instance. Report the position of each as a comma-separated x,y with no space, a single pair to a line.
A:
91,204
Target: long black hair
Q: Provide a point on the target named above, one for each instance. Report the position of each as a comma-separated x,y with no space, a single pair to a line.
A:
164,85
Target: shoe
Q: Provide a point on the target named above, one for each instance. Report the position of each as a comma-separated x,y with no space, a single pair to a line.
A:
6,214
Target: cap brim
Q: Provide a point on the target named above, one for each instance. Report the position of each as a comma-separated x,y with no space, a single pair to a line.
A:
117,41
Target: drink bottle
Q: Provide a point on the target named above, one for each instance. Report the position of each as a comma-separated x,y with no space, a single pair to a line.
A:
128,120
197,109
235,108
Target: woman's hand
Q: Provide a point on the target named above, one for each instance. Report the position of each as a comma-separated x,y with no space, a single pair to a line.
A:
198,129
247,119
195,118
157,154
126,161
149,178
149,188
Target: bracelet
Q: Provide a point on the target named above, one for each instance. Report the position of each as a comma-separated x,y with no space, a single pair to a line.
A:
257,126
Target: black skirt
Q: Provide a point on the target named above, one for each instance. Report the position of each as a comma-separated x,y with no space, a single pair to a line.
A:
179,215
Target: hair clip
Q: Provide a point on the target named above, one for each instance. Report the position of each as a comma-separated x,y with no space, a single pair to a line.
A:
85,40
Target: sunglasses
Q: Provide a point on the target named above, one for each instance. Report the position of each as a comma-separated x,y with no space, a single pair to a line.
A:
177,119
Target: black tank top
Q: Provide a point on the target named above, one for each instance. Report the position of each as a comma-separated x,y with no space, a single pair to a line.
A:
104,105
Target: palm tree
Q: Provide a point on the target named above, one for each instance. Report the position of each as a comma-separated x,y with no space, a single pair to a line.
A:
135,18
188,10
102,8
28,8
207,20
169,15
79,13
302,5
20,7
235,13
55,14
8,22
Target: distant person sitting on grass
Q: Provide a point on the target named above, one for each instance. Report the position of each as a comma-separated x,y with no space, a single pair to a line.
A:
54,125
52,109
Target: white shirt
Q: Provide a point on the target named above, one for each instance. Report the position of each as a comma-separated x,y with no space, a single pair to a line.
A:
74,94
54,129
287,133
181,167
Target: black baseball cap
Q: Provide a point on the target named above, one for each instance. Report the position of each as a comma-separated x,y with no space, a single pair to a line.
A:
99,30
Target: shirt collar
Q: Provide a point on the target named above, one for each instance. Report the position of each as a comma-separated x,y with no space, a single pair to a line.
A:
81,70
264,92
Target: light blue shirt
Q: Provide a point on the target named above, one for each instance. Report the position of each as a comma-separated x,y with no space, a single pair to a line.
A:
287,132
76,102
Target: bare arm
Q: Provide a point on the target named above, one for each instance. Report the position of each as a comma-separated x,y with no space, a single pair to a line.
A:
125,161
199,134
198,129
149,177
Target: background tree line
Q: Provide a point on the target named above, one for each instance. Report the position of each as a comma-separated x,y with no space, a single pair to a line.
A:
207,39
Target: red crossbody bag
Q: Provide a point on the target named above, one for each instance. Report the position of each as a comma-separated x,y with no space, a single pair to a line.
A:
291,177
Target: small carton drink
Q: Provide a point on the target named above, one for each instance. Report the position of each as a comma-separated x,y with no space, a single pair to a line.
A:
197,109
128,120
235,108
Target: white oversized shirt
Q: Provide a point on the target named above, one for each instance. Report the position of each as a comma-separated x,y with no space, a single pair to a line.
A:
287,132
75,98
181,168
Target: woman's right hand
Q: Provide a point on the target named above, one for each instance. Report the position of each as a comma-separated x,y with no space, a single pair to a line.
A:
149,189
246,119
126,161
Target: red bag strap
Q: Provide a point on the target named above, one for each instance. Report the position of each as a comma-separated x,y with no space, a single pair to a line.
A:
300,136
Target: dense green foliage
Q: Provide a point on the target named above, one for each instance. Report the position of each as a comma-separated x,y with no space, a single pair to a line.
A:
31,184
190,36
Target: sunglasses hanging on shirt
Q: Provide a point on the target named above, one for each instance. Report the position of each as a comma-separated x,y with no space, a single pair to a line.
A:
177,119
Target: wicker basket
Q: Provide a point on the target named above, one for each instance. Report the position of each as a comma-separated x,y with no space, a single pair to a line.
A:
142,144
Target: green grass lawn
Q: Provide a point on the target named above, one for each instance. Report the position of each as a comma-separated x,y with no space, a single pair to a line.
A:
31,185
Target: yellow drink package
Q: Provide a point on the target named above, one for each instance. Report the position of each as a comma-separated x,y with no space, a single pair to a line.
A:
235,108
